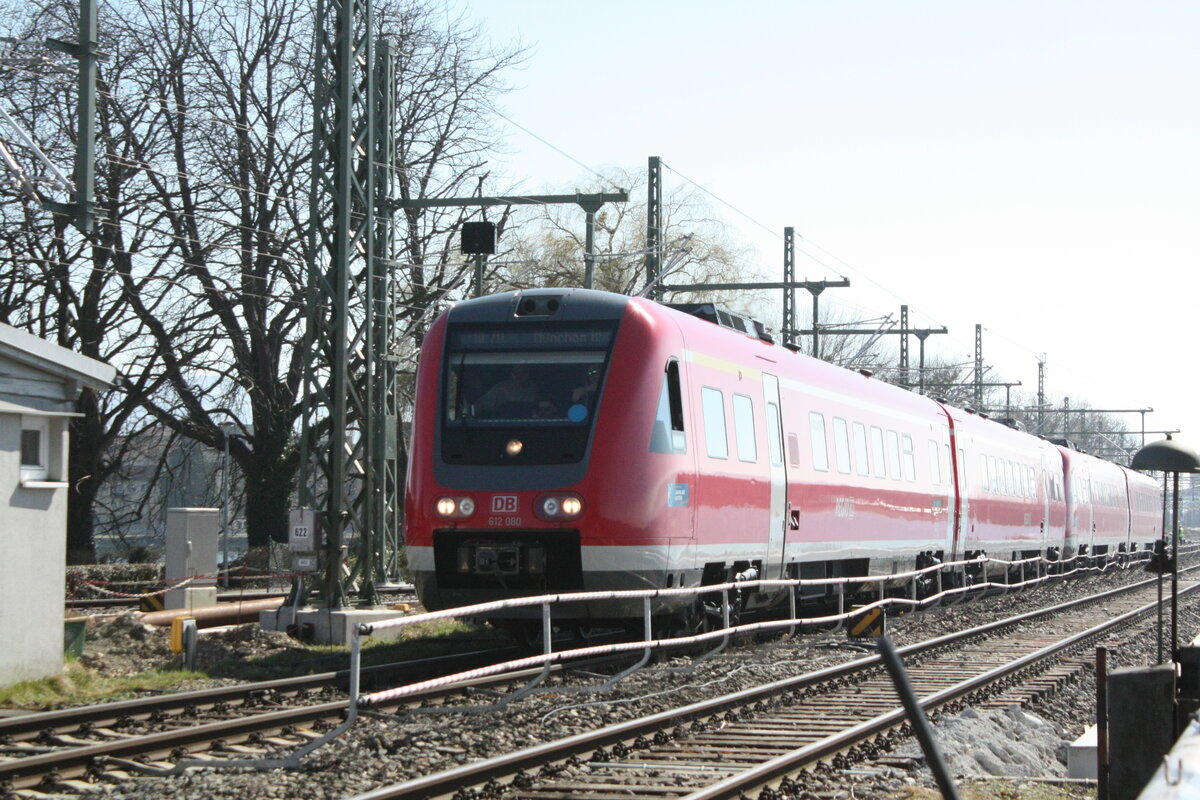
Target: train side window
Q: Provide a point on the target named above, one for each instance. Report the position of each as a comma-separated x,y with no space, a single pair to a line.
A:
743,428
893,452
667,435
962,470
713,403
910,460
1031,482
997,478
986,473
935,466
860,449
841,445
947,464
820,449
877,451
774,445
794,449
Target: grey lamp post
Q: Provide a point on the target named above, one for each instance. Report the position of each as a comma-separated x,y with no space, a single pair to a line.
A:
1169,456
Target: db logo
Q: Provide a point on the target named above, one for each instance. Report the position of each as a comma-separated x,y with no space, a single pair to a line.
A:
504,504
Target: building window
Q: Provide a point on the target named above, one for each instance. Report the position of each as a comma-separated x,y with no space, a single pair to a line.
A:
35,448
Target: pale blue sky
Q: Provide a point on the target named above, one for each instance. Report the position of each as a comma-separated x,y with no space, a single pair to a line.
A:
1030,166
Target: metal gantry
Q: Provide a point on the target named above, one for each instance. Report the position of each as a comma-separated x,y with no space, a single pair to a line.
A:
339,376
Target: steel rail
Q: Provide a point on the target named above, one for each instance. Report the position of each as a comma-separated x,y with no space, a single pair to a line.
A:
101,714
448,781
782,766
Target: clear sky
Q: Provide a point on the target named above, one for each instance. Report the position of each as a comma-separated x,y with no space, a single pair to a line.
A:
1032,166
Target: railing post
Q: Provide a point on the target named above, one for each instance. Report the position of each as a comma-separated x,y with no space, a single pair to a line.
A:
792,609
547,645
646,619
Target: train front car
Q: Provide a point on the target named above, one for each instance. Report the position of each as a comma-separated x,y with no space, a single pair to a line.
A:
529,470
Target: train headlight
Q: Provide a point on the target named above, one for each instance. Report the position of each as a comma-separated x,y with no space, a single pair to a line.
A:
558,507
514,447
454,507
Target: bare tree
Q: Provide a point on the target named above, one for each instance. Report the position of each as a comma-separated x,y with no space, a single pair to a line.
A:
194,284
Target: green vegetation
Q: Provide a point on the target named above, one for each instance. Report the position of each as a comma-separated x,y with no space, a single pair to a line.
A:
243,654
78,685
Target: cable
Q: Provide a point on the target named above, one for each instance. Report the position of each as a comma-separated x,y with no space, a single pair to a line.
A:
556,149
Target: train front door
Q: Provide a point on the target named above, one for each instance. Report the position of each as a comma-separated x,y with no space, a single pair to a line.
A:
773,562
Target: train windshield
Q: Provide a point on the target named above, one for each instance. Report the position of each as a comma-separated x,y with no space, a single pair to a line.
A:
527,388
522,394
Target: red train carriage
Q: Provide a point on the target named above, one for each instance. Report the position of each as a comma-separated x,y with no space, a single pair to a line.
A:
569,440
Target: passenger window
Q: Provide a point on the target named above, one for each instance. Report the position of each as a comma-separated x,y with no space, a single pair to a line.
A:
743,426
893,441
774,446
935,471
986,471
877,452
841,445
713,403
910,460
667,435
860,449
794,449
820,451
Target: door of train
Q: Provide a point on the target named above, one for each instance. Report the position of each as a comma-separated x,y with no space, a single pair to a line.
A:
773,562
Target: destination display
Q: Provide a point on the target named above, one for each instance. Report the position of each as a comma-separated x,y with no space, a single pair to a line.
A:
512,337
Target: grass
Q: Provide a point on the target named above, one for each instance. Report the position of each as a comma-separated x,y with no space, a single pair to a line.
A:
78,685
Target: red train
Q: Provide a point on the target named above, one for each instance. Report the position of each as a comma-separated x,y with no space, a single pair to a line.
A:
569,440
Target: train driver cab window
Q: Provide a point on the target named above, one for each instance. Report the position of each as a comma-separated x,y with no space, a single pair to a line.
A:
820,448
713,404
743,427
668,435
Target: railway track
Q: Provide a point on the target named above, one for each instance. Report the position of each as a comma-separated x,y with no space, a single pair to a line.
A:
289,712
50,752
739,744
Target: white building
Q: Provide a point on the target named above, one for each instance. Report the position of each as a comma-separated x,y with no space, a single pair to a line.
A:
39,383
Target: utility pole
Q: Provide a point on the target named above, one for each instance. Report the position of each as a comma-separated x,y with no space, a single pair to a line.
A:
654,228
82,208
921,333
338,424
978,365
788,321
1041,394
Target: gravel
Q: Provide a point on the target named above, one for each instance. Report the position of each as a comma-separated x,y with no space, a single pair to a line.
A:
385,749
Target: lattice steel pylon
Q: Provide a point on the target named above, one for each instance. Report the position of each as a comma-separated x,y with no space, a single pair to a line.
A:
341,418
